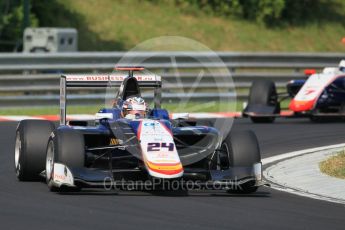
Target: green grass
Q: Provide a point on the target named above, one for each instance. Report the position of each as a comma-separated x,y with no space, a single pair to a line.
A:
122,24
92,109
334,166
47,110
171,107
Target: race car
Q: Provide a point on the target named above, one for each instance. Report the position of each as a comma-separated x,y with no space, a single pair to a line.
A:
142,148
319,96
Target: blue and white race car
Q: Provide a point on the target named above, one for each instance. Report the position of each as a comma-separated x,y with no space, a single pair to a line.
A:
129,142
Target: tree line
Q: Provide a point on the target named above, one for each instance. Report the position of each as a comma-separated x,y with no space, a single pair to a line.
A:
269,13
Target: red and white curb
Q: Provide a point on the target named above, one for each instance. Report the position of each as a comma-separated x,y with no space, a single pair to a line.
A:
47,117
93,117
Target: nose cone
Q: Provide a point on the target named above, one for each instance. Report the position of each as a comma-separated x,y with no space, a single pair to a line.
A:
300,106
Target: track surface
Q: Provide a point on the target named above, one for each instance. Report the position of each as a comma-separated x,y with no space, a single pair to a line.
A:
31,206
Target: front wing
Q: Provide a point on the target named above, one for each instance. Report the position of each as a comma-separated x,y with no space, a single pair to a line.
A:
64,176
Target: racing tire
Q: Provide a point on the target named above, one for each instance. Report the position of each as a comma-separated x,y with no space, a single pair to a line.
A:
262,119
30,148
263,92
243,151
65,146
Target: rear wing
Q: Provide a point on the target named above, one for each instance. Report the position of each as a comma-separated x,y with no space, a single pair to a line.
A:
144,80
105,80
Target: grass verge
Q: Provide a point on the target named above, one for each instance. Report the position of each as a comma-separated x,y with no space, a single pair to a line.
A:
110,25
334,166
191,107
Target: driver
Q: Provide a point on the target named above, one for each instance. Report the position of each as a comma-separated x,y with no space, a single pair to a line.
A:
134,108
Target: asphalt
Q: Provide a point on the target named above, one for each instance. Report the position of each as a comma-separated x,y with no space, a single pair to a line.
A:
30,205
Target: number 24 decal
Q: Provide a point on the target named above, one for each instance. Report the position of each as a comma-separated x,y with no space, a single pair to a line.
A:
156,146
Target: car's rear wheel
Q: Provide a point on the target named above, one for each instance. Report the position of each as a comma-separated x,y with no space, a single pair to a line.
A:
263,92
241,149
30,148
65,146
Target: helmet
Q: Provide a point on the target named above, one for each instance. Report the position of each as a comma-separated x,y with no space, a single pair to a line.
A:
342,65
134,107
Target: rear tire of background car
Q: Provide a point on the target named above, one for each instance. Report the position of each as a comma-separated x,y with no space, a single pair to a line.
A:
262,119
65,146
263,92
243,151
30,148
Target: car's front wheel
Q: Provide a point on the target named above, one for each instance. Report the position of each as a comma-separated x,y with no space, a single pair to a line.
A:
65,146
241,149
30,148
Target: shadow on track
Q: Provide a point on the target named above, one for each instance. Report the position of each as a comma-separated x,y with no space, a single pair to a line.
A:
204,193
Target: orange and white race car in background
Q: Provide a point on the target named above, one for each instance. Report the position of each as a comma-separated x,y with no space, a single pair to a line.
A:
321,95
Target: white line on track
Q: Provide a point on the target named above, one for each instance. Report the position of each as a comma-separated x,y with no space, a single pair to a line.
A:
284,156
